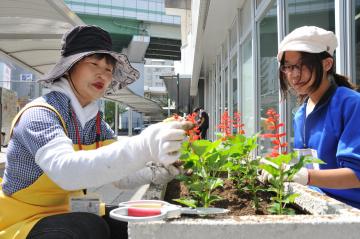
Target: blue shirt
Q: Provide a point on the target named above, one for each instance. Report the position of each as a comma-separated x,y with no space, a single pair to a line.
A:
333,129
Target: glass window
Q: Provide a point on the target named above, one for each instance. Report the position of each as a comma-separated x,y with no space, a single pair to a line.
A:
213,101
91,10
144,5
248,96
320,13
357,40
92,1
233,35
312,13
142,16
105,2
226,89
234,90
218,89
105,11
117,12
268,67
130,4
152,6
224,53
258,2
130,13
245,22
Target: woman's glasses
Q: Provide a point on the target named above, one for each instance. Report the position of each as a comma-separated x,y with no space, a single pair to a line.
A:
288,68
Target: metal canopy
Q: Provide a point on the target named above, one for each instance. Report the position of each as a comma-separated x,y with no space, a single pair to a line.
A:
30,34
30,31
178,88
137,102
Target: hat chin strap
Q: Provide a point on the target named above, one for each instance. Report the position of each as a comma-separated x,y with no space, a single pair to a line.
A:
74,88
73,85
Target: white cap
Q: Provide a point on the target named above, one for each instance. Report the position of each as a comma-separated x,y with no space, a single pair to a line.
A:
308,39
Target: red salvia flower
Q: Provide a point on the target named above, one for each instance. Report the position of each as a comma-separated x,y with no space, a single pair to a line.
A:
193,133
237,123
226,122
225,125
273,125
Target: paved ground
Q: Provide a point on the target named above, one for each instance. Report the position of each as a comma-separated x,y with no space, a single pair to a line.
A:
108,193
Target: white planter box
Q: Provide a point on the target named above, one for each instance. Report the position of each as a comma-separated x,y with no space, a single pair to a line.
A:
330,219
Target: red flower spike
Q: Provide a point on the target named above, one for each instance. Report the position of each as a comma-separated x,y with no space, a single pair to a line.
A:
273,125
226,122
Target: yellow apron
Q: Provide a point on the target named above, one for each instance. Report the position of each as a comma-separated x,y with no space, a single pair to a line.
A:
22,210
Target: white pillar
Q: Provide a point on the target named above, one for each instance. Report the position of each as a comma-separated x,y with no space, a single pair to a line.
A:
130,121
116,118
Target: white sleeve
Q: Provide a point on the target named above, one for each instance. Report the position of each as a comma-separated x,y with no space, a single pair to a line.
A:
74,170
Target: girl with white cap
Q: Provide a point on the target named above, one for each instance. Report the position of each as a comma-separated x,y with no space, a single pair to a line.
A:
60,145
327,123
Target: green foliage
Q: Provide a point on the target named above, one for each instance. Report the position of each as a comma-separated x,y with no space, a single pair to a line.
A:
281,172
206,160
243,166
110,112
235,155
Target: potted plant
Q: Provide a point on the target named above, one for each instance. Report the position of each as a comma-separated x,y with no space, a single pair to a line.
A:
233,155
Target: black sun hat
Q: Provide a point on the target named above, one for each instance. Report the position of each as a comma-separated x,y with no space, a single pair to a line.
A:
83,41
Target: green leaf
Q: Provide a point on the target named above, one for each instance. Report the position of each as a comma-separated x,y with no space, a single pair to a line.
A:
274,208
270,169
184,156
218,182
290,198
214,198
271,189
288,211
200,147
310,159
196,186
286,158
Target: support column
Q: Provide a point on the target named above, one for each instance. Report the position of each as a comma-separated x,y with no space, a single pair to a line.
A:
130,121
116,118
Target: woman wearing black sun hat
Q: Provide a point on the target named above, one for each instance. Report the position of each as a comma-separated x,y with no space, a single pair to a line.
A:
60,145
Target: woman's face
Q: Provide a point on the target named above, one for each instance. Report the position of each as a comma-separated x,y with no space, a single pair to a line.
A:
90,78
298,75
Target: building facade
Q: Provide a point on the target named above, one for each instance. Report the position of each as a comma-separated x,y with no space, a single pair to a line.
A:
235,48
143,31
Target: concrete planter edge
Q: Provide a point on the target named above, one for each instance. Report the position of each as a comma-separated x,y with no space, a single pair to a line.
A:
329,219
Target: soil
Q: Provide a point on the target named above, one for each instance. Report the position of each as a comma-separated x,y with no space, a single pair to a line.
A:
239,203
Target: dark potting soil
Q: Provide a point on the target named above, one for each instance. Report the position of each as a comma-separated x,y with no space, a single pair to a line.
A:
239,203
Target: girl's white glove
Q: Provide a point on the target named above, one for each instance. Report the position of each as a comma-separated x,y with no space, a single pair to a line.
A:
301,177
154,173
161,142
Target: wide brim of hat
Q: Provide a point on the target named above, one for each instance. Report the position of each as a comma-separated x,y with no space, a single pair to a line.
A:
123,74
299,46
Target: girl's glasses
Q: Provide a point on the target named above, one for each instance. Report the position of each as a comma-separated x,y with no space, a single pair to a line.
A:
288,68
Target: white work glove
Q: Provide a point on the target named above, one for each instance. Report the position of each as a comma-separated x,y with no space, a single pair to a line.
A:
83,169
154,173
161,142
301,177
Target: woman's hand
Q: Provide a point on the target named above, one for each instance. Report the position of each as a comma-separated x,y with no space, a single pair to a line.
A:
162,141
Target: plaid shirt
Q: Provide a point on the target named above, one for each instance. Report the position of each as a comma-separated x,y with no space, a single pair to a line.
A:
36,127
